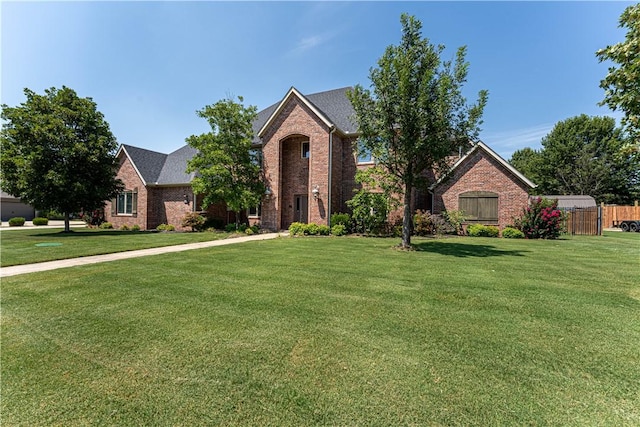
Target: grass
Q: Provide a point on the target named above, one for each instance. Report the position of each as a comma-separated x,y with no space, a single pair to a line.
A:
19,246
331,331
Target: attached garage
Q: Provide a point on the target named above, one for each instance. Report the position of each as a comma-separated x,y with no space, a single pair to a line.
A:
11,207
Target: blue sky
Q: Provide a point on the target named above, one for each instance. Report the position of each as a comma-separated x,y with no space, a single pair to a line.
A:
150,65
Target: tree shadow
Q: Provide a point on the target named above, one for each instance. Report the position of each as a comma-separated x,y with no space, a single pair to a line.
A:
82,234
464,250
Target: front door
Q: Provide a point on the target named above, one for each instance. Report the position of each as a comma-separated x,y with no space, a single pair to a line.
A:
301,208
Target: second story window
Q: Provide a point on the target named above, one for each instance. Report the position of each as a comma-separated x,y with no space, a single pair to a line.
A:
305,150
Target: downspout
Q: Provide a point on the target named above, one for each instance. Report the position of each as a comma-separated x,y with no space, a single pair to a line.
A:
333,129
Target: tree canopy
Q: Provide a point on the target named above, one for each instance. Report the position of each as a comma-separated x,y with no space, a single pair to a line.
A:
227,168
582,155
622,83
58,153
415,115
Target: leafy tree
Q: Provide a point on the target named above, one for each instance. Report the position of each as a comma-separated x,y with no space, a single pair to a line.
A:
227,168
585,155
58,153
528,162
416,115
622,84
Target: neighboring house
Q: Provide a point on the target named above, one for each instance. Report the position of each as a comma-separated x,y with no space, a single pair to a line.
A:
11,207
309,166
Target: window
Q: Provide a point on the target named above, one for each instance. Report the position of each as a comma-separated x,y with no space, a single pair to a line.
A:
479,206
254,212
305,150
364,154
126,203
256,156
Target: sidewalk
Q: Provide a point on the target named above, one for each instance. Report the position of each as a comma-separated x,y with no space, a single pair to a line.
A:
74,262
53,223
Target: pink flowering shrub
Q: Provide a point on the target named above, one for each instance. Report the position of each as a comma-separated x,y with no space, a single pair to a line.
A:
541,219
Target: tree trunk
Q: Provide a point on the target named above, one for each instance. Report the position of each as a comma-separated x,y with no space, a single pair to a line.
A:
406,218
66,222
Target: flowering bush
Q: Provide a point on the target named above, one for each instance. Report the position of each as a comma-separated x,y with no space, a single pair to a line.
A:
541,219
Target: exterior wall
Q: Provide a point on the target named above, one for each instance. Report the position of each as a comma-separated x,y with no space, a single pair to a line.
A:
131,180
481,172
295,120
166,206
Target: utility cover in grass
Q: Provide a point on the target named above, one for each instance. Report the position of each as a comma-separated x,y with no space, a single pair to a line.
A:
47,244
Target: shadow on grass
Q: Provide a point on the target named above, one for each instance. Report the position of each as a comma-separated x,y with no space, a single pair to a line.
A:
90,233
464,250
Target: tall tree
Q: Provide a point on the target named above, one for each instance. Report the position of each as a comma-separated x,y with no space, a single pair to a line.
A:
528,161
585,155
622,83
416,115
228,170
58,153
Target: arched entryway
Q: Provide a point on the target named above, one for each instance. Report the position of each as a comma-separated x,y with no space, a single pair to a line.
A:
294,180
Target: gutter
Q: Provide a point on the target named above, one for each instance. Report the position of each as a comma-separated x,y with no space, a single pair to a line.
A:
333,129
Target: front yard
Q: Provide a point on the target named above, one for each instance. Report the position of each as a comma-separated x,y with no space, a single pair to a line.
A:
331,331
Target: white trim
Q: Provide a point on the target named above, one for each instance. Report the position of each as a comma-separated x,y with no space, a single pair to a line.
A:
495,156
293,92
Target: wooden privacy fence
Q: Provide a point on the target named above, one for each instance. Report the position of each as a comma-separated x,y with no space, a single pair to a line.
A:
612,214
584,221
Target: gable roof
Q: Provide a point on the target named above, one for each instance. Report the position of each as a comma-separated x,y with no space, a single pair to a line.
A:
155,168
482,146
332,107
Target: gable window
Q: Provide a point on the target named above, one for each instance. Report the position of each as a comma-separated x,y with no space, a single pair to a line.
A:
479,206
126,203
305,150
254,212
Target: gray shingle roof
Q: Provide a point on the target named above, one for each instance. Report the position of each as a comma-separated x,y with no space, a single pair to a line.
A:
169,169
572,201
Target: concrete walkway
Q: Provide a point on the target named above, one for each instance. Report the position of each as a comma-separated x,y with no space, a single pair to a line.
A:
74,262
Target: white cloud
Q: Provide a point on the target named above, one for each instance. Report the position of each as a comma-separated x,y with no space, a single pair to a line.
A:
507,141
311,42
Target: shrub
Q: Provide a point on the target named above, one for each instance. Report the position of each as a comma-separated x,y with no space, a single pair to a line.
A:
479,230
297,229
124,227
312,229
255,228
339,230
40,221
193,220
165,227
512,233
93,218
216,223
324,230
422,223
370,211
230,228
541,219
106,226
135,227
454,219
16,221
340,219
249,231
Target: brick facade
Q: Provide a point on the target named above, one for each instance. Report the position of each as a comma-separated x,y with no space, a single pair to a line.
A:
132,182
482,172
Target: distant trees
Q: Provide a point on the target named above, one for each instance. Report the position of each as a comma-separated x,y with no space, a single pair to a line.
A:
58,153
582,155
622,83
227,168
415,116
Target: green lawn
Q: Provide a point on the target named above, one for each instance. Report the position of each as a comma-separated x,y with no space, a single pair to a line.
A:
19,246
331,331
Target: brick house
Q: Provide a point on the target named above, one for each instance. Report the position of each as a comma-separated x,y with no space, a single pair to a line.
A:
309,167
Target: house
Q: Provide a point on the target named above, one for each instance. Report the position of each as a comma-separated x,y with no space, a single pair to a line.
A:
309,166
11,207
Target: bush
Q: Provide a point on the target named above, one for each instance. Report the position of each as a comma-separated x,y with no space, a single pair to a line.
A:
339,230
422,223
479,230
106,226
340,219
324,230
193,220
249,231
16,221
40,221
312,229
370,211
541,219
512,233
124,227
165,227
297,229
230,228
216,223
454,219
135,227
